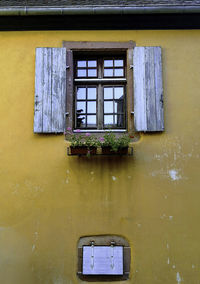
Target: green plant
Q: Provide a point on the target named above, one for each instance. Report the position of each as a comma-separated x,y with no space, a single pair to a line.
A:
114,142
79,140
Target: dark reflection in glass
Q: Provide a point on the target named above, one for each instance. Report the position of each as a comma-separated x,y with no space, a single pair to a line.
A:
120,111
92,93
80,120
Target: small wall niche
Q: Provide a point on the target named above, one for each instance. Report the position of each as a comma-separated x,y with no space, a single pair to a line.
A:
103,258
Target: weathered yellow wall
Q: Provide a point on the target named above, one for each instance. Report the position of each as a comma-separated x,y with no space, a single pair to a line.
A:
48,200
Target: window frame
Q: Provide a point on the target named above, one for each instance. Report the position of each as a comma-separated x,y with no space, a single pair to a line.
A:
109,48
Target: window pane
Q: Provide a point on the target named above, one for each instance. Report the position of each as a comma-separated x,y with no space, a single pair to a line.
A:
108,63
108,72
92,63
81,73
81,63
118,63
80,121
81,107
108,93
81,93
119,120
118,72
108,119
91,121
118,92
119,106
91,107
92,72
92,93
108,107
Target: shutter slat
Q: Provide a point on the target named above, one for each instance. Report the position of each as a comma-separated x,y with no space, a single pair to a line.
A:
47,91
58,89
148,106
50,90
39,78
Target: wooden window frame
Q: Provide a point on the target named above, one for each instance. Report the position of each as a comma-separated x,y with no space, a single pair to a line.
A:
108,48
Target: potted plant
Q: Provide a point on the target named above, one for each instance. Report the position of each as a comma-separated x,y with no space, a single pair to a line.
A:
82,144
111,144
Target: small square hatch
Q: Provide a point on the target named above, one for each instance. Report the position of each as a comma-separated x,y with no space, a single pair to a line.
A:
102,260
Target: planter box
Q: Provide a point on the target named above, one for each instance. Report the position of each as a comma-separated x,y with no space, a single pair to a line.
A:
83,150
120,151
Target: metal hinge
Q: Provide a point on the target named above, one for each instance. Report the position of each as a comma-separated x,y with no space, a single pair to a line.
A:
131,66
67,67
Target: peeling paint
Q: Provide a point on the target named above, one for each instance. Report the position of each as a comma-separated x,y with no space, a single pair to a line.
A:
178,277
168,261
114,178
174,174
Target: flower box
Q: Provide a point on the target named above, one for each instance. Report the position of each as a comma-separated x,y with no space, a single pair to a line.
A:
83,150
108,151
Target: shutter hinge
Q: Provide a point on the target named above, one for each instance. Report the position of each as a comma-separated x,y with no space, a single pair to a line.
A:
132,112
66,113
67,67
131,66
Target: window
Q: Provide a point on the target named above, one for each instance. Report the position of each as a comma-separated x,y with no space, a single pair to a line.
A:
100,92
94,86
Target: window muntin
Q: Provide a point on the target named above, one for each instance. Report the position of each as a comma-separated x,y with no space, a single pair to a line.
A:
100,102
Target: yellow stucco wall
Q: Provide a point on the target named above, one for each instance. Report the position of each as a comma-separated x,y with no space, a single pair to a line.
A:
48,200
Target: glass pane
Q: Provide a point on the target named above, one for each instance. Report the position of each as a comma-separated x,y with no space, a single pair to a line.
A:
92,93
81,93
91,107
108,72
91,120
81,107
92,63
119,120
108,107
118,63
81,73
80,121
92,72
118,91
81,63
108,63
108,93
119,106
119,72
108,119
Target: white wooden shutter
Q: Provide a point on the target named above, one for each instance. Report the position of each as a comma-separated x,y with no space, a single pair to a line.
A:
50,90
148,89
